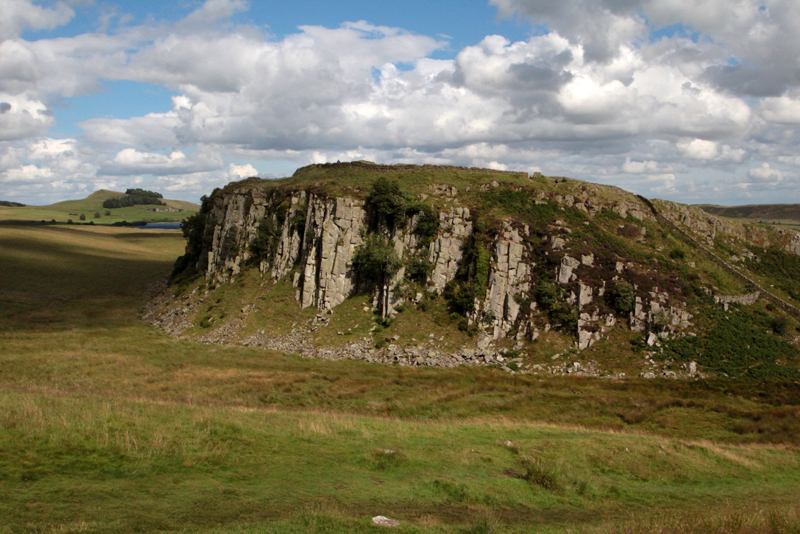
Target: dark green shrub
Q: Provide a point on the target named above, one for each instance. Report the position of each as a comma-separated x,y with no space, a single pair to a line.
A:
376,260
198,230
282,211
638,345
538,472
622,297
230,243
82,217
299,220
180,265
388,201
546,294
384,322
419,268
265,242
428,223
677,254
565,315
97,215
461,296
780,325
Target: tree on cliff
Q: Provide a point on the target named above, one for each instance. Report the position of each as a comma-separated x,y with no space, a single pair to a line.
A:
198,230
388,201
376,261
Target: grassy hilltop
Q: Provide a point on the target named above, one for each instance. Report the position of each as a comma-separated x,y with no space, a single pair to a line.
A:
108,425
89,206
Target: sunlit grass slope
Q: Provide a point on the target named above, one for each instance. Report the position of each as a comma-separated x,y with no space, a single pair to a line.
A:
108,425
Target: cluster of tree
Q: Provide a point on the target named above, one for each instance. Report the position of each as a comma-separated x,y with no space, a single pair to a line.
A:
9,204
135,197
394,208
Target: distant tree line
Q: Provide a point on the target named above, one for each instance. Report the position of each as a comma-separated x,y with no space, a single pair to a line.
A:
9,204
135,197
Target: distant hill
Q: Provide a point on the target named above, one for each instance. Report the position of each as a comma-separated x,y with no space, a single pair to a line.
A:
10,204
91,208
766,213
93,201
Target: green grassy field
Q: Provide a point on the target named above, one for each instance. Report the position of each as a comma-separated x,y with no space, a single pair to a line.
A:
108,425
61,212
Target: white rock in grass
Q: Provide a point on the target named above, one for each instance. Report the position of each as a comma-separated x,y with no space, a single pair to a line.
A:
385,521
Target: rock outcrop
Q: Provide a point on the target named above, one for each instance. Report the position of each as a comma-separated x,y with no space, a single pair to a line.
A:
455,226
313,238
332,233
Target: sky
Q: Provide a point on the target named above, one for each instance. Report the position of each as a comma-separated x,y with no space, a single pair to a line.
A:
696,101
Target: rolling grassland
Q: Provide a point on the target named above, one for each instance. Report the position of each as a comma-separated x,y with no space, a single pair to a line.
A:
108,425
92,206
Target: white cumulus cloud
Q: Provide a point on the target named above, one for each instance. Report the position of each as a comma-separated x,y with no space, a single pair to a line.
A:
591,96
765,173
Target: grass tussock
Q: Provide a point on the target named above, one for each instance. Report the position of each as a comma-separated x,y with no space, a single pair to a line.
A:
539,472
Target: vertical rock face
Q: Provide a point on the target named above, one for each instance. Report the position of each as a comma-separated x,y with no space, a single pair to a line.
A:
287,253
455,226
509,278
237,215
565,271
333,228
316,235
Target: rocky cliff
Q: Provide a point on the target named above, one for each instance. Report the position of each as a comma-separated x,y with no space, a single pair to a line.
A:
495,262
314,236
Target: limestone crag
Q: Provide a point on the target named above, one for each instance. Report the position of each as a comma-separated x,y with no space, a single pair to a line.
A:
289,246
315,237
509,280
658,316
332,233
455,226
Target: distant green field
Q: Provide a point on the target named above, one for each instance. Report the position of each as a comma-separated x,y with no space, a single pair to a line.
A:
92,205
108,425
